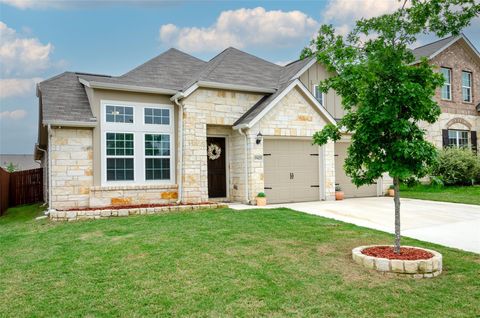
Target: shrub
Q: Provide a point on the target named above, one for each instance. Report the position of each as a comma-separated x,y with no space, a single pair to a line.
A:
261,195
457,166
436,182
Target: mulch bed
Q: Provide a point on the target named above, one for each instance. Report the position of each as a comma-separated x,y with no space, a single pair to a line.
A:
406,253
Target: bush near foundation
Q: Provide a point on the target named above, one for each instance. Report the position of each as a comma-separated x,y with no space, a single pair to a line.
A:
457,166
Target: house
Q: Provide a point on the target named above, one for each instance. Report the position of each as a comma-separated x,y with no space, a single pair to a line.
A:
179,129
19,161
459,98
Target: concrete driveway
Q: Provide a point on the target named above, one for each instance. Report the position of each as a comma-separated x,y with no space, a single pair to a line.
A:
449,224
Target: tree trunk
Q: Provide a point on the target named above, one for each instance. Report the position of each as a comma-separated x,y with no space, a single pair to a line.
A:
396,199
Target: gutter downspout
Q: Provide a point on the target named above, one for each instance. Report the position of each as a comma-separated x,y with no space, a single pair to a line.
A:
49,154
241,132
180,148
48,173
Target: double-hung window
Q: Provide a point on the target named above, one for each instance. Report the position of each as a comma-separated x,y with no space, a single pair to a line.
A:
447,85
318,94
457,138
466,86
137,141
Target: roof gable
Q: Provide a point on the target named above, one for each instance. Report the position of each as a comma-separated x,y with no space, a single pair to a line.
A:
64,99
433,49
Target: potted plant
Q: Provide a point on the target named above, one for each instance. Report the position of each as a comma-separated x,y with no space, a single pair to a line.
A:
339,195
391,191
261,199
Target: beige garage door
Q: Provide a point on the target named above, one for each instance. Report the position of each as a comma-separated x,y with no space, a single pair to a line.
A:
350,190
291,170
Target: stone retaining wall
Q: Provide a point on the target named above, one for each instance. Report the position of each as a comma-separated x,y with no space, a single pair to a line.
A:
423,268
108,213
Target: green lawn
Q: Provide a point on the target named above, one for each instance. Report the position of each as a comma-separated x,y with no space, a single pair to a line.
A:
217,263
468,195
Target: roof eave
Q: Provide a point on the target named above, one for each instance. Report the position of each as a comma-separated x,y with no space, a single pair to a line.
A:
233,87
304,69
67,123
129,88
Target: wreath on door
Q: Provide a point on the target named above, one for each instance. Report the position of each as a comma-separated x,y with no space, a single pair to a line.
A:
214,151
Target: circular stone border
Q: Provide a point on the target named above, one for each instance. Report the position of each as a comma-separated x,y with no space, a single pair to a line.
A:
422,268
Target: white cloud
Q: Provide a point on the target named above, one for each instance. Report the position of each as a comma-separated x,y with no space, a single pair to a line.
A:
22,56
343,13
11,87
241,28
14,114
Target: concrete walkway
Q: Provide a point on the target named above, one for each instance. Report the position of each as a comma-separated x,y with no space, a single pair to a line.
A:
449,224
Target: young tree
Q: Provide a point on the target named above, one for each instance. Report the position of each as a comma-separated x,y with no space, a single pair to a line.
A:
11,167
385,96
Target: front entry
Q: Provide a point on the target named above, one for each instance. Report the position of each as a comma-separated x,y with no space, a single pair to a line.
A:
217,172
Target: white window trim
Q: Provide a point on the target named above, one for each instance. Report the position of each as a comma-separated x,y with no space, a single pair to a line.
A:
139,130
457,137
118,157
449,84
314,90
469,87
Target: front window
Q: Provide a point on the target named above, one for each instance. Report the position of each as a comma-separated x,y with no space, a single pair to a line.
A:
157,157
119,114
466,86
137,143
120,157
157,116
447,85
457,138
318,94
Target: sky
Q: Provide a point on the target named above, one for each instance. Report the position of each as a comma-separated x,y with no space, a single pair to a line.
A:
42,38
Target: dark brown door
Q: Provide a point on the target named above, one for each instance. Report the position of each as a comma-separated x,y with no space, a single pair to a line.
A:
217,172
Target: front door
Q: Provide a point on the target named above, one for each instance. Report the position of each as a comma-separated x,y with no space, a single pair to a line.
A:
217,172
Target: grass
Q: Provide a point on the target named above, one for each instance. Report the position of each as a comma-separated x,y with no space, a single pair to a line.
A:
456,194
215,263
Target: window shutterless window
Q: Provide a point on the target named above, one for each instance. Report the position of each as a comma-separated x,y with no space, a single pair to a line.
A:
119,114
457,138
466,86
157,157
447,85
318,94
119,156
137,143
157,116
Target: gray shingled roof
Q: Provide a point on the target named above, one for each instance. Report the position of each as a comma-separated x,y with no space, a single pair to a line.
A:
293,68
431,48
169,70
63,98
236,67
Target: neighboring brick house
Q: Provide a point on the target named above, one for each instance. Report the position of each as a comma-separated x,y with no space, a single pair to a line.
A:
459,61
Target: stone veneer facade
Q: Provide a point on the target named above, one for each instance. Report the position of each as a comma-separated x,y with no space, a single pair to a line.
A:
72,177
456,114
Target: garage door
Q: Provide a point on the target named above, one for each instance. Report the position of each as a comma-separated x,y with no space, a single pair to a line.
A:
350,190
291,170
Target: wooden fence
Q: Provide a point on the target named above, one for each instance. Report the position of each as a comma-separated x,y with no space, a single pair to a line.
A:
4,190
20,187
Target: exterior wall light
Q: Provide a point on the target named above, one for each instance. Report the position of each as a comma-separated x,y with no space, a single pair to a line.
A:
259,138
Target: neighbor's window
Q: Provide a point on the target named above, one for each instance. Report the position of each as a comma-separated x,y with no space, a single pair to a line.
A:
120,160
466,86
119,114
318,93
157,157
457,138
158,116
447,85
